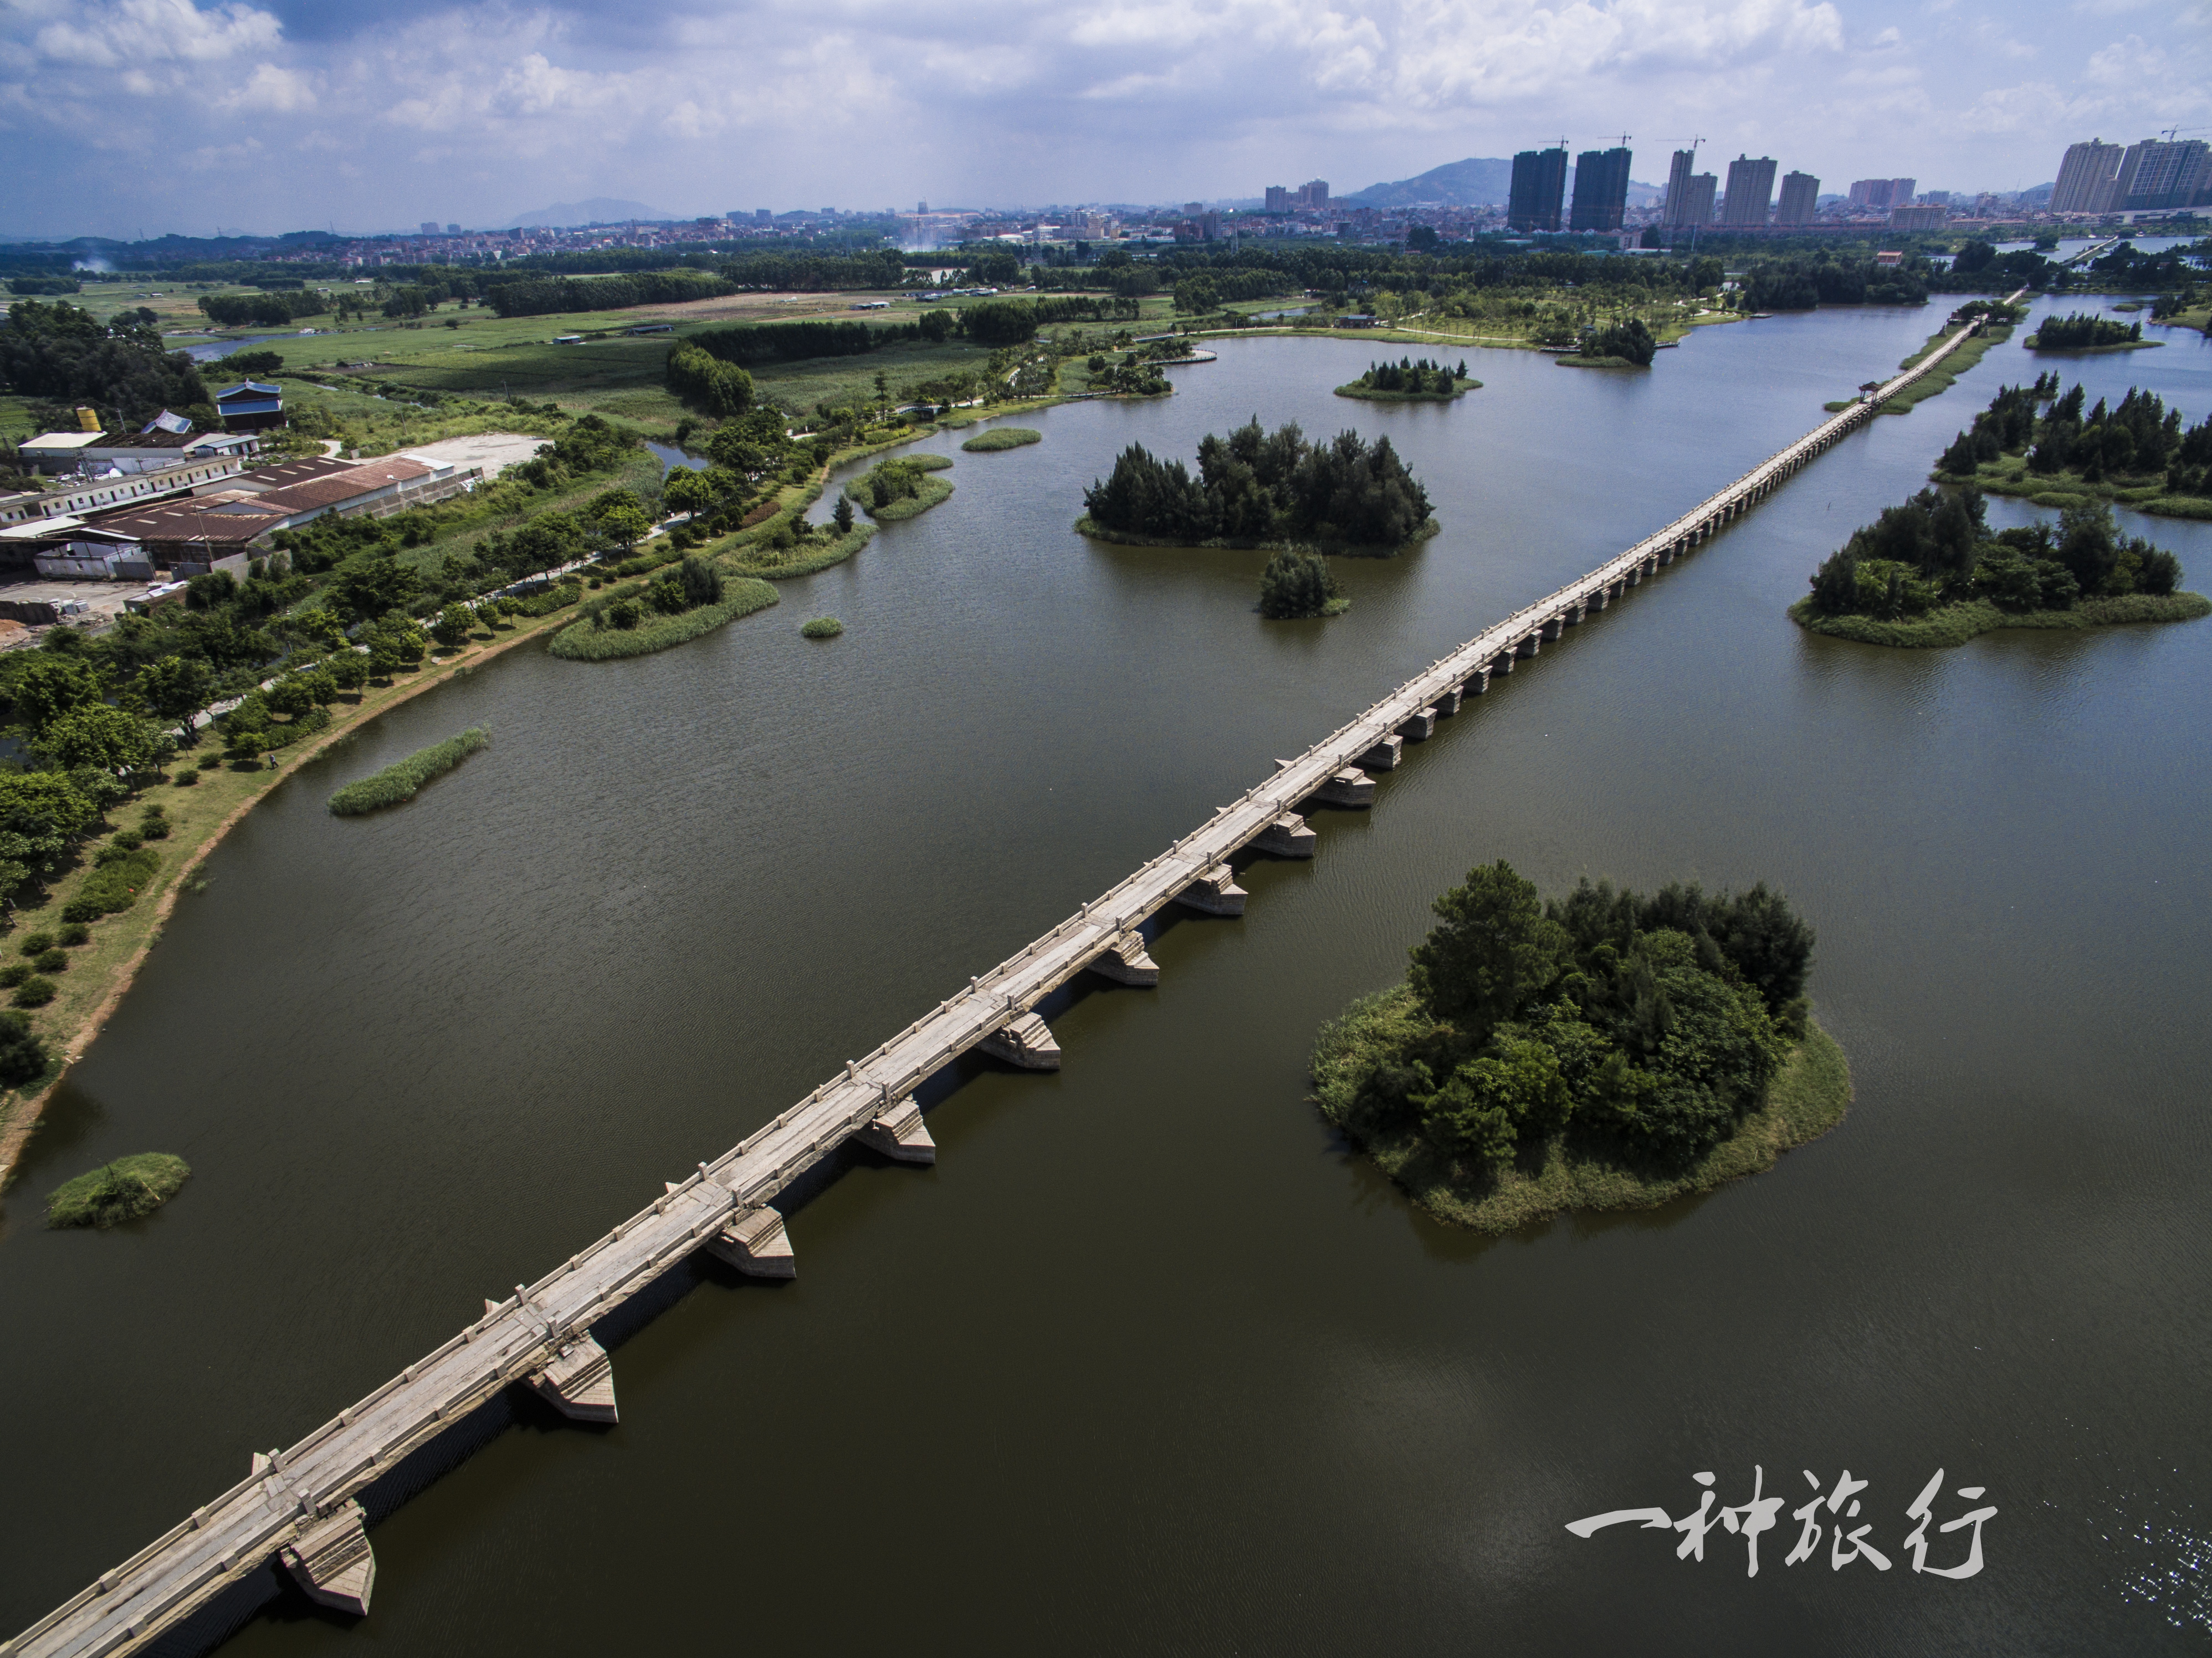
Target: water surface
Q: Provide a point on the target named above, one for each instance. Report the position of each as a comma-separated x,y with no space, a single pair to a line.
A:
1148,1362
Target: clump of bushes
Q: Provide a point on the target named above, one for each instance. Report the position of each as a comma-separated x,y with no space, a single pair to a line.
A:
899,489
35,990
402,780
37,944
23,1052
126,1189
823,627
1297,585
119,873
73,933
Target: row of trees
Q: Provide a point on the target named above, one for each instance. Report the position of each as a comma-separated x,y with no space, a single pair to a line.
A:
542,296
1802,282
2081,328
279,309
1936,549
1646,1024
1257,487
1407,374
2139,437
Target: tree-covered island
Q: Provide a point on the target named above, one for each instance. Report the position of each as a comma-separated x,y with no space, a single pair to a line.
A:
901,488
1265,491
2032,441
1606,1052
1931,572
1627,344
1409,381
2085,331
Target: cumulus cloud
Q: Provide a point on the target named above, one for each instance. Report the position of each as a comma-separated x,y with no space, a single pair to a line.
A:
128,32
703,104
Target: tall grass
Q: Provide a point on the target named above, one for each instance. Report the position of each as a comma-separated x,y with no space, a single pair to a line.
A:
400,782
582,642
1001,437
1955,624
114,1192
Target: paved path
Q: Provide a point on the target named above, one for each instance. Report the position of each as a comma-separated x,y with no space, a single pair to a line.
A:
298,1503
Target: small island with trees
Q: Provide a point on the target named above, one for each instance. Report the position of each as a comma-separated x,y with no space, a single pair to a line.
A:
1265,491
1608,1051
1296,586
2085,331
1409,381
2032,441
1626,344
1931,573
901,488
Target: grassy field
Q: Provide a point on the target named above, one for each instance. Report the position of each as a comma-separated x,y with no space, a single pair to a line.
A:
1805,1101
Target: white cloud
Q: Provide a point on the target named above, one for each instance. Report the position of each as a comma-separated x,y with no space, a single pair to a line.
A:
281,90
124,32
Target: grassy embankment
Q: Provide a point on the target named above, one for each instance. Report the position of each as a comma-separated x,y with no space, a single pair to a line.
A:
1939,379
1461,386
580,642
1805,1101
1001,437
127,1189
402,781
1087,526
198,815
1955,624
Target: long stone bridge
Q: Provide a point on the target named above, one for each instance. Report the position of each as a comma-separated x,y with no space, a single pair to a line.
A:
302,1508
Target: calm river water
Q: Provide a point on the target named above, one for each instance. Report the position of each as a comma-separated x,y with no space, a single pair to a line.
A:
1148,1362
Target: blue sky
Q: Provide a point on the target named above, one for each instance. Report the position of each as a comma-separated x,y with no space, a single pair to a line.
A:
272,115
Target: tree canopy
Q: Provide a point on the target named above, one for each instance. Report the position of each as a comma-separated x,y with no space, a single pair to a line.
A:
1257,487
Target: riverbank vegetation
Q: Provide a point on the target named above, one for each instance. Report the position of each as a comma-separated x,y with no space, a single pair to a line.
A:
1001,437
1410,380
402,781
1945,375
893,491
126,1189
1608,1050
679,604
2033,442
1296,586
1931,573
2085,331
1260,489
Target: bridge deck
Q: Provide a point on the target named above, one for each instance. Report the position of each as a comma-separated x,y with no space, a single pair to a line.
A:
517,1340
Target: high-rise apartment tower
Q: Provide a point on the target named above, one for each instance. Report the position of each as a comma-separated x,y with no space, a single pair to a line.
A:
1601,190
1540,186
1799,191
1750,191
2085,177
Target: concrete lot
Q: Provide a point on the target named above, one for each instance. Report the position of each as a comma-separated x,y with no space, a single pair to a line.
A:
492,451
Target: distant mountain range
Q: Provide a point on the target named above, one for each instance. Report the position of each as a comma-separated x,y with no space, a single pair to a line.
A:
1479,181
598,209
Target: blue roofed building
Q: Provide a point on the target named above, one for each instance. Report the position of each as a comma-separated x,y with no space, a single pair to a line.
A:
250,406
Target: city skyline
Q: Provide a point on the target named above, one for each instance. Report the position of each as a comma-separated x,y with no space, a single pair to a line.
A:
175,116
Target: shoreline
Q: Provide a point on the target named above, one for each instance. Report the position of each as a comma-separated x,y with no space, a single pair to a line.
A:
1090,530
1956,625
23,1116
